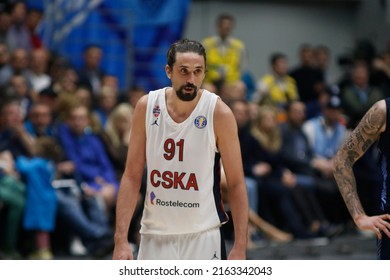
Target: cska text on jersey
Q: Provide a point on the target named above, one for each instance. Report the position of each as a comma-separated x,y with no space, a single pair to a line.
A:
174,180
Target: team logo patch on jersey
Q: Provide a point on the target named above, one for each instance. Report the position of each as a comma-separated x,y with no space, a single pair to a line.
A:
156,111
152,197
200,122
156,114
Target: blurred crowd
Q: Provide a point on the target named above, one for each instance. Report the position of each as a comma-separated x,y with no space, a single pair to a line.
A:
64,135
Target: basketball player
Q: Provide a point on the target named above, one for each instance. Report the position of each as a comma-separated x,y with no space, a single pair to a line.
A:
180,133
374,126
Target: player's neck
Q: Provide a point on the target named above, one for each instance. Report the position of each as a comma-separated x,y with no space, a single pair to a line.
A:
180,110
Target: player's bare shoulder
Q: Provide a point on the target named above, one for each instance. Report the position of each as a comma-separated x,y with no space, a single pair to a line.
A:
140,107
143,101
224,120
139,115
223,115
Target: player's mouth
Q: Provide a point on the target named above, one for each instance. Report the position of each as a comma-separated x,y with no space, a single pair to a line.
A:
189,89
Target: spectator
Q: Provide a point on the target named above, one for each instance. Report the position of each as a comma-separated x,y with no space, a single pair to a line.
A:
37,73
67,83
56,68
309,79
325,134
107,100
78,213
12,200
91,73
19,90
359,95
380,75
5,22
33,19
322,62
18,66
40,120
115,137
240,109
262,162
296,150
65,103
86,151
84,95
13,136
18,35
134,94
110,81
50,98
117,130
226,56
4,55
297,155
41,202
276,88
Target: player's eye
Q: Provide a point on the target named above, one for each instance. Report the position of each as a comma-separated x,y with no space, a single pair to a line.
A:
197,72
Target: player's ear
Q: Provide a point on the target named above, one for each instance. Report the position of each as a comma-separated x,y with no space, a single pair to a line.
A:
168,71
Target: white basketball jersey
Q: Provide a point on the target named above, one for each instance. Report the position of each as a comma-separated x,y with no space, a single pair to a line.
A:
183,169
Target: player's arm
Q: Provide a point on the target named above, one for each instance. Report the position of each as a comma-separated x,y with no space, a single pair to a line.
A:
131,181
364,135
225,128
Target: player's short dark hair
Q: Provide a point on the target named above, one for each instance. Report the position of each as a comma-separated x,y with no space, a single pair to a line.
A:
184,46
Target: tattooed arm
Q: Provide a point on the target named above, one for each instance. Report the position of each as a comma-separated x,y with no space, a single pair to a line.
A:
365,134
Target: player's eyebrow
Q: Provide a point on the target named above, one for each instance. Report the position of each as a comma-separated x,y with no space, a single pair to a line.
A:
187,66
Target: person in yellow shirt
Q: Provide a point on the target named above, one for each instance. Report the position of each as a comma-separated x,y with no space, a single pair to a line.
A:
226,57
276,88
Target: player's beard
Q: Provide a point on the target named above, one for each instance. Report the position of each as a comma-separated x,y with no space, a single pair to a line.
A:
183,96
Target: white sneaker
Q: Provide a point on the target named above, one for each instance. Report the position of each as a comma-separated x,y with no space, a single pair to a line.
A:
77,247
